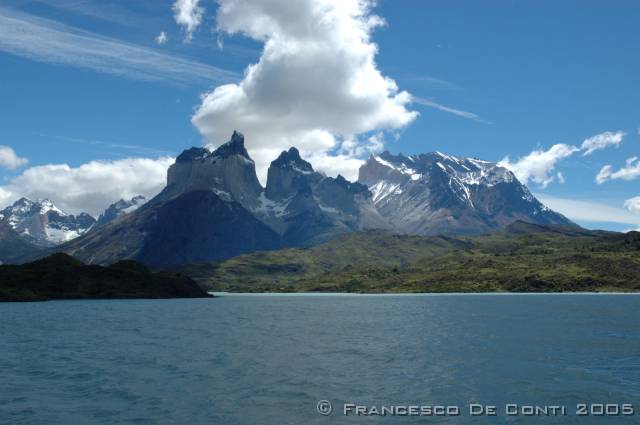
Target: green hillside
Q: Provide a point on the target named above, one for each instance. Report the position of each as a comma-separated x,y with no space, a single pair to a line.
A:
521,258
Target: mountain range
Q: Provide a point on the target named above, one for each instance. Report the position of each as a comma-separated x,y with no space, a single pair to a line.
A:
213,206
43,224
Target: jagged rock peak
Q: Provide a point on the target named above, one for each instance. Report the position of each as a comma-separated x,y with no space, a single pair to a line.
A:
353,187
292,159
23,202
120,208
235,146
193,154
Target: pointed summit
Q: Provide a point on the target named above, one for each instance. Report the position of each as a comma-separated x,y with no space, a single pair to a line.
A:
120,208
228,171
235,146
289,174
291,159
192,154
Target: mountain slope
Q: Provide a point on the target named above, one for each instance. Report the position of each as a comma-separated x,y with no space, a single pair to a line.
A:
12,247
436,193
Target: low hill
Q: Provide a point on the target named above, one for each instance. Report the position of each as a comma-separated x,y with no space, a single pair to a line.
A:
60,276
519,258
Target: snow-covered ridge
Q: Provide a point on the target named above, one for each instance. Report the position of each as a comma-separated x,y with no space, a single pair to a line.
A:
466,171
120,208
402,168
41,222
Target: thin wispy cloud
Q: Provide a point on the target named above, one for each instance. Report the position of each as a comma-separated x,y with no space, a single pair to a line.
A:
48,41
111,12
458,112
590,211
130,149
433,82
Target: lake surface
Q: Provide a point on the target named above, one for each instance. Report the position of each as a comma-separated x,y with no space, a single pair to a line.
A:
256,359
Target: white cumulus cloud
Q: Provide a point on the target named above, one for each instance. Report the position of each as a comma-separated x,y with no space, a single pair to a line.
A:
602,141
630,171
91,187
9,159
188,14
538,166
316,85
633,205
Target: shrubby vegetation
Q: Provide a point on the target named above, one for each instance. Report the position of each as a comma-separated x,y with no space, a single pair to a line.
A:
521,258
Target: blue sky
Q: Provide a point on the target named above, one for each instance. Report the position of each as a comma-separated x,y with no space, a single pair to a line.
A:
489,79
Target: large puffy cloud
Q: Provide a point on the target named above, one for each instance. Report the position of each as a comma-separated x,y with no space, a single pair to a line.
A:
538,166
9,159
315,86
630,171
188,14
90,187
602,141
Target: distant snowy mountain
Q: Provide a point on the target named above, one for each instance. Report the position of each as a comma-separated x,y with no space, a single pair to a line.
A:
436,193
43,224
120,208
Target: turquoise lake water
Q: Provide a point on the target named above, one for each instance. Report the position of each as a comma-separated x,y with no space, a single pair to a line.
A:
255,359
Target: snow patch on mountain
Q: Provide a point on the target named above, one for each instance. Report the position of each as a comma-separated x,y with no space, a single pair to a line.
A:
43,223
435,192
120,208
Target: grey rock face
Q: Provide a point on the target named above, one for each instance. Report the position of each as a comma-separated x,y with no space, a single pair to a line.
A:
437,193
228,171
288,175
203,214
307,208
43,224
120,208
